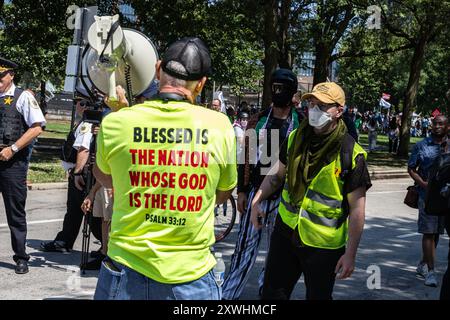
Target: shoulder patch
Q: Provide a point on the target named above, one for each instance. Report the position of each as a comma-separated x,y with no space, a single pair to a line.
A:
84,128
33,102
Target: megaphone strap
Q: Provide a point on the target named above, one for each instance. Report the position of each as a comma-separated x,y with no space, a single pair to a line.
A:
111,31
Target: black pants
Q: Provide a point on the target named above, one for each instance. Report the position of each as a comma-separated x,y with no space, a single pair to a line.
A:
445,289
287,262
74,217
393,145
13,186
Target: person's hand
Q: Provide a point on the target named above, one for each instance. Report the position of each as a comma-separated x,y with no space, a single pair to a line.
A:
345,266
6,154
242,202
118,103
86,206
257,215
79,182
95,129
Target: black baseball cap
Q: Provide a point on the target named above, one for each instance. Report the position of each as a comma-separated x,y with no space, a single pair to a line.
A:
192,57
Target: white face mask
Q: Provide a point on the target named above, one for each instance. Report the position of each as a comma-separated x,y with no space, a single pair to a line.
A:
317,118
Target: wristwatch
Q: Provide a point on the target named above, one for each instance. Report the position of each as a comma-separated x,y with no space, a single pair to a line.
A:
14,148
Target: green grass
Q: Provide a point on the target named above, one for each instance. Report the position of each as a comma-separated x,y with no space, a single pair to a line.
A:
56,129
45,168
382,158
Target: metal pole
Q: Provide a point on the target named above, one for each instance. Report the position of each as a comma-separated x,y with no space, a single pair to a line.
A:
78,40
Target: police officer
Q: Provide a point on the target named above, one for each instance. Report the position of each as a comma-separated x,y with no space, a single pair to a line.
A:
21,121
74,157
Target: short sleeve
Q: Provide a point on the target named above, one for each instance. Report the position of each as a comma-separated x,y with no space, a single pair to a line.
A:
413,161
102,153
228,169
83,136
30,110
359,176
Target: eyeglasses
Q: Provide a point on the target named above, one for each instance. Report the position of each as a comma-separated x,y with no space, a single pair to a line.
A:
322,107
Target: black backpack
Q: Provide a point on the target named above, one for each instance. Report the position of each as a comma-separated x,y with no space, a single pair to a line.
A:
437,198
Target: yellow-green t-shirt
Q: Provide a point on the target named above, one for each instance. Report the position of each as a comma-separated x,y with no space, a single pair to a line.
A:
166,160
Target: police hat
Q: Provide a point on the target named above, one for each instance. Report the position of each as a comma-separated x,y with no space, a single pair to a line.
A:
6,64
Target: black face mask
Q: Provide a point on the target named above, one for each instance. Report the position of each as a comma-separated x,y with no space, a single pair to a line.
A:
281,95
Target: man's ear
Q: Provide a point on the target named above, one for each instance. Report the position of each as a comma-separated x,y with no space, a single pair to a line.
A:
158,69
200,84
340,111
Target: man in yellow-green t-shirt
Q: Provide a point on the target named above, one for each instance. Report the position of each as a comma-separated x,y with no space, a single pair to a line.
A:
169,163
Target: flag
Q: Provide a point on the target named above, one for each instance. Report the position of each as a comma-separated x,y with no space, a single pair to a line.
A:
435,113
384,104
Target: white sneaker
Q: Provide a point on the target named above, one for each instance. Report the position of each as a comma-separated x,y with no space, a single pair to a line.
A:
422,269
430,279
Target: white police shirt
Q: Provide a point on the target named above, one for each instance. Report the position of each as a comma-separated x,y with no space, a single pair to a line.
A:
27,106
83,136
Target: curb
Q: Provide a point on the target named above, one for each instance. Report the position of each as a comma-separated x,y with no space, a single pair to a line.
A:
48,186
388,174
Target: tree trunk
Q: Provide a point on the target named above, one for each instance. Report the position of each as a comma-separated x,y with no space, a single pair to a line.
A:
285,60
321,67
410,95
270,48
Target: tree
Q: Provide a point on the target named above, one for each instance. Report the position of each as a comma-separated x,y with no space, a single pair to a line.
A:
418,23
35,35
226,26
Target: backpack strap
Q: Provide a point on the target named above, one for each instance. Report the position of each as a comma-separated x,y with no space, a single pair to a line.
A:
346,167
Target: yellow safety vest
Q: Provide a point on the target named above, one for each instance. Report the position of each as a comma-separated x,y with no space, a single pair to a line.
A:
319,213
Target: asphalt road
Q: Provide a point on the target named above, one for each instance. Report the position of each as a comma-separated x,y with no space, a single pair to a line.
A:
390,245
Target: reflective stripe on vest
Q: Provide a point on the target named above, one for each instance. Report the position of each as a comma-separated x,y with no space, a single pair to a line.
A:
313,195
323,221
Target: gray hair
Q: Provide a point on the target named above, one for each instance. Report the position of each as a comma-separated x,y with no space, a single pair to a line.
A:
167,79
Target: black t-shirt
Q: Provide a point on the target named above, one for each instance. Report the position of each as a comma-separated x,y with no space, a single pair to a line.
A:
256,178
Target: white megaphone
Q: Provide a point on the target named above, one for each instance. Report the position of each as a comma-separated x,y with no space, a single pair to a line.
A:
118,56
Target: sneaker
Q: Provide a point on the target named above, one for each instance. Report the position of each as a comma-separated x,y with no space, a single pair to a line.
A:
422,269
54,246
430,279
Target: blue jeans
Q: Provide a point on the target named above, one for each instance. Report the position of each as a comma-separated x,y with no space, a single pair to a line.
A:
118,282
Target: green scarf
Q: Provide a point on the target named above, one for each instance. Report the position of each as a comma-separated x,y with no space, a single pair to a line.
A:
308,154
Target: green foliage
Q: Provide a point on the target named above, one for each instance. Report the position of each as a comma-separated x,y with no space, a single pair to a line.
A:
223,25
35,35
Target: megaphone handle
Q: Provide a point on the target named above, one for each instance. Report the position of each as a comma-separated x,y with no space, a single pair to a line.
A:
112,86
